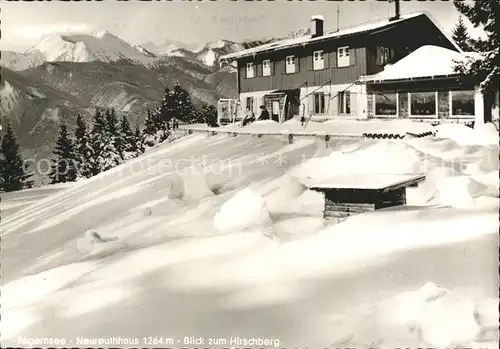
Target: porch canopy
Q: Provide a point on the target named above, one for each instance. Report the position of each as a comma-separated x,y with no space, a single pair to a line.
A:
426,63
282,92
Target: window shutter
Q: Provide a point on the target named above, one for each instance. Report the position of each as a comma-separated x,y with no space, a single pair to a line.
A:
333,59
326,60
352,56
271,67
297,64
260,69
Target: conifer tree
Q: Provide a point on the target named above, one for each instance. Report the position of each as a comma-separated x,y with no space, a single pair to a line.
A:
104,155
128,145
148,136
209,113
165,112
64,164
83,149
484,70
182,108
161,125
461,36
13,175
113,130
111,122
138,140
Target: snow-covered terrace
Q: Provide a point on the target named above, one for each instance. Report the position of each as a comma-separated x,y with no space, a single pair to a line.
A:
307,39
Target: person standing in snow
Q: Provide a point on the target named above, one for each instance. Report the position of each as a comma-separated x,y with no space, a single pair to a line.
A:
264,114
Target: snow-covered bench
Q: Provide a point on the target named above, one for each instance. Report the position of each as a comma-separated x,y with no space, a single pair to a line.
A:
350,194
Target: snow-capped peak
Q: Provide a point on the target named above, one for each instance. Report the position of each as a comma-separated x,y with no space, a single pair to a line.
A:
101,46
101,34
216,44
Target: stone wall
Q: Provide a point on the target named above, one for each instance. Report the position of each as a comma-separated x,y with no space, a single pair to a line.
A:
443,105
403,105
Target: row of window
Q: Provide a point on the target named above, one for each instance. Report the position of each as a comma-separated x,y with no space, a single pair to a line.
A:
343,60
322,100
424,104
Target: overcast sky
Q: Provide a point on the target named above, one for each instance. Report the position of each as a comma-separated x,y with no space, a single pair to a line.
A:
26,23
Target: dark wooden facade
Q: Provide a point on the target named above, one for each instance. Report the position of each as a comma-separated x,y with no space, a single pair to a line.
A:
365,57
304,75
345,202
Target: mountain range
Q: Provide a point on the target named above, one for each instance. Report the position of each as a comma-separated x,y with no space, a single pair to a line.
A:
106,47
66,75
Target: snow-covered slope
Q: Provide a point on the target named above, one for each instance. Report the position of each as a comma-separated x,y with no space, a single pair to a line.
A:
421,276
102,46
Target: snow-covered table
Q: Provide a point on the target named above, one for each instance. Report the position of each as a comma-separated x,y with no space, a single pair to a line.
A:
350,194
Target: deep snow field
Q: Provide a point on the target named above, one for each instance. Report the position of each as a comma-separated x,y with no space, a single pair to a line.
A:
236,246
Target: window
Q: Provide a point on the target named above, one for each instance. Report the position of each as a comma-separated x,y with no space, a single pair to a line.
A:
423,104
250,103
318,60
385,55
343,56
462,103
386,104
250,70
266,68
290,65
345,102
319,103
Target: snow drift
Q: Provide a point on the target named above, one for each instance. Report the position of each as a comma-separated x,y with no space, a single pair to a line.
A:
244,210
280,199
92,243
326,271
192,185
384,157
423,316
482,134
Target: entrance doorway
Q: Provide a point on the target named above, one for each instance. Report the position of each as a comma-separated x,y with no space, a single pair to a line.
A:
283,105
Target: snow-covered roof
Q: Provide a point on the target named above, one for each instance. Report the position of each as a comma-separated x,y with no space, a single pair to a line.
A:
306,39
426,61
320,17
367,181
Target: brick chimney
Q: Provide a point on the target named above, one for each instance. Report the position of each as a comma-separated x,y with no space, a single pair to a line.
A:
317,26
